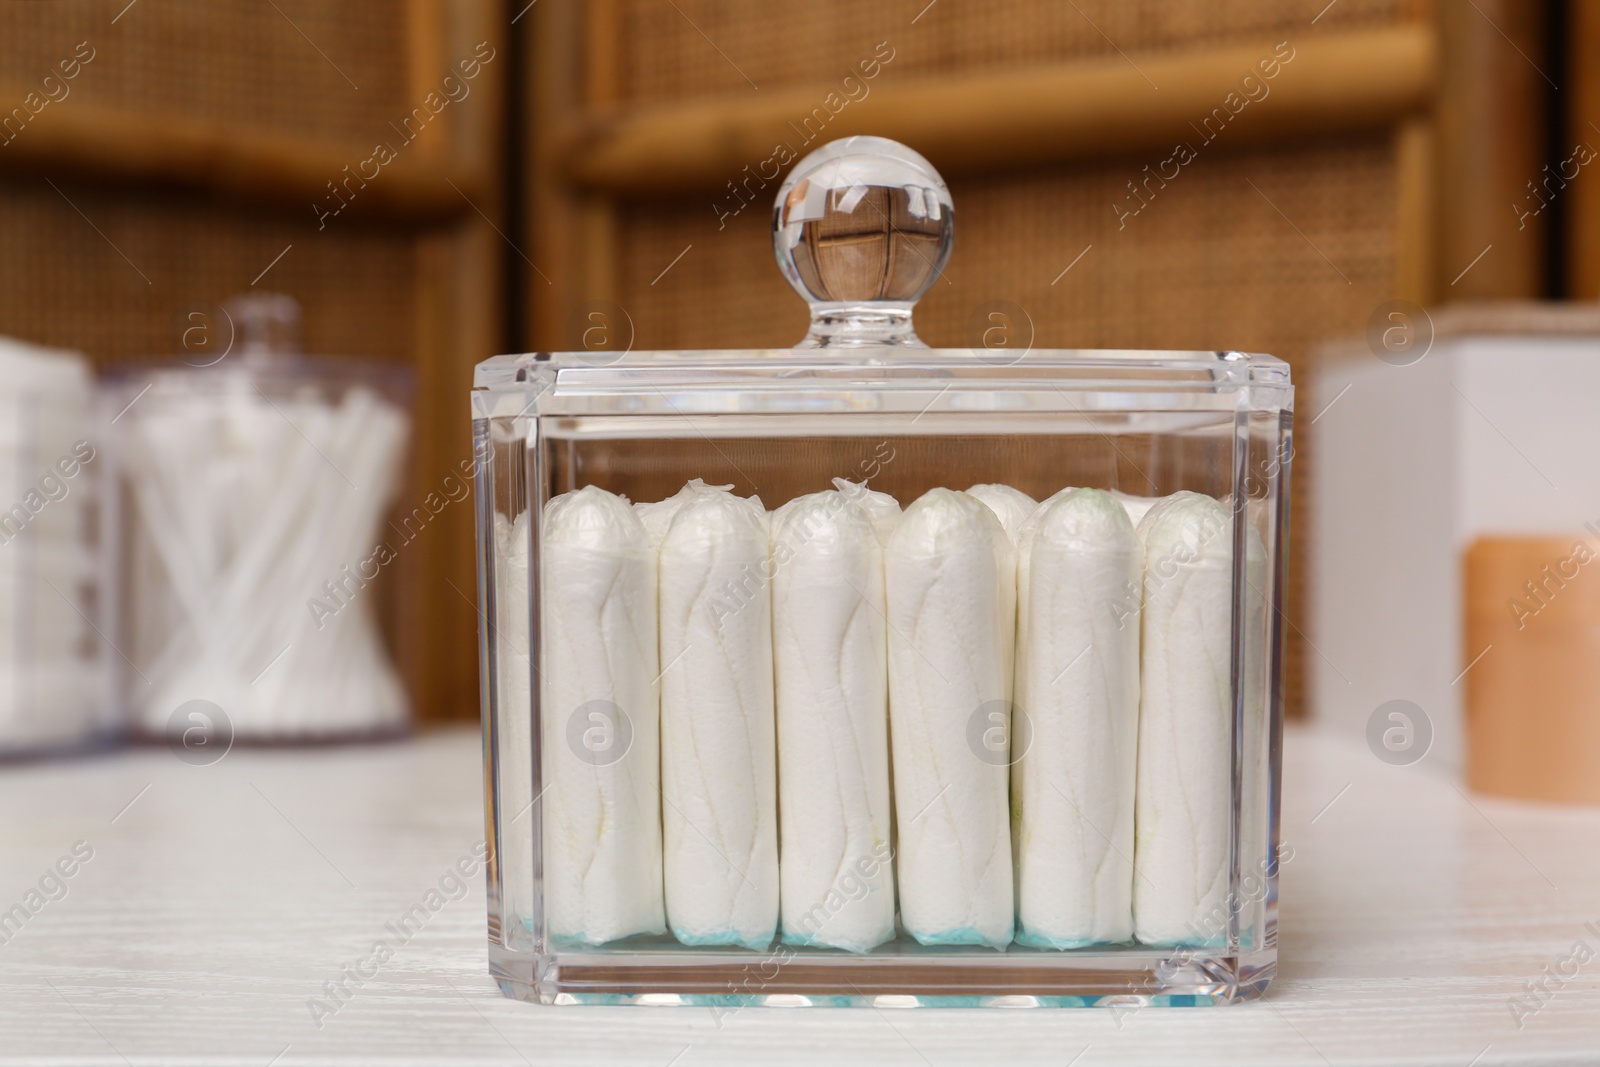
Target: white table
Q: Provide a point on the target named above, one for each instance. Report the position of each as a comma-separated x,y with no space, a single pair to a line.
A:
224,897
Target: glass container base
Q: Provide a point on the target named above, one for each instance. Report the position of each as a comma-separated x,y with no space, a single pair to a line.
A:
1115,977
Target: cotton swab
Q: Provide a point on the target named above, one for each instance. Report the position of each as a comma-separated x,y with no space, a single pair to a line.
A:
248,494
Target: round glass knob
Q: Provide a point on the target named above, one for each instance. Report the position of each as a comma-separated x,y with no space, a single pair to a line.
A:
862,227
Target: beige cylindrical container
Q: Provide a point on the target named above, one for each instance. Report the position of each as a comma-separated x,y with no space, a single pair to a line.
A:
1533,698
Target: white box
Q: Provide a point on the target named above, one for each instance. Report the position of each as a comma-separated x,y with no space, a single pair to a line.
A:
1491,432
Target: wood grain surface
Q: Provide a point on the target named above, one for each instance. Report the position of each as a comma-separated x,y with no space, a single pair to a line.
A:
219,902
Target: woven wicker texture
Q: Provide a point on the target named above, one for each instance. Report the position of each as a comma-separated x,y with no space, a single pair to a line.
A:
694,47
291,66
1264,249
118,280
1268,250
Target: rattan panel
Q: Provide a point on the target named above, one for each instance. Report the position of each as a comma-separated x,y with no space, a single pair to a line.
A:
1269,250
292,66
1263,249
694,47
116,280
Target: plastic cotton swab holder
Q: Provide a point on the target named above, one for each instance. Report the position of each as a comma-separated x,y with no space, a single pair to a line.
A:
253,492
870,673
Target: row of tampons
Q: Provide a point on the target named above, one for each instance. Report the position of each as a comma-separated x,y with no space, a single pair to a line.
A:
997,719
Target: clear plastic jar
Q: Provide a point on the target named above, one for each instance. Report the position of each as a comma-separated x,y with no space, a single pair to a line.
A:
254,493
872,673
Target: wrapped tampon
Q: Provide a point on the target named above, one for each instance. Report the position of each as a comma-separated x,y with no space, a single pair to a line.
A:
1020,539
946,569
833,724
1078,679
1011,506
718,764
882,509
1136,506
601,714
657,514
1181,836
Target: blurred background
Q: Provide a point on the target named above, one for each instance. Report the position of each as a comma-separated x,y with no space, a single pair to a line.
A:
437,181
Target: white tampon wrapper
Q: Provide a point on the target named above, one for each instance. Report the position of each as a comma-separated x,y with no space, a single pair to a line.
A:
718,759
881,508
1078,683
1181,835
833,724
657,515
946,570
1025,531
601,715
1011,506
1136,506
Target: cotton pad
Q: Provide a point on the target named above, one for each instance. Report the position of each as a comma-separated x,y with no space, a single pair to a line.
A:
947,569
1077,681
600,714
1181,821
833,724
718,759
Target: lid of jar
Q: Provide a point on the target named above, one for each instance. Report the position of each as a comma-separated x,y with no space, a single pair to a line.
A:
861,228
250,344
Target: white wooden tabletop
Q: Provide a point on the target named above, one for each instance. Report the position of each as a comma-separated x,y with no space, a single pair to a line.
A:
218,901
